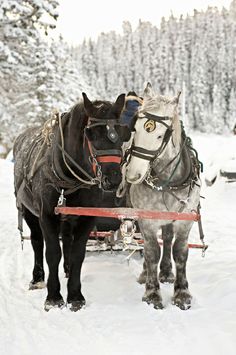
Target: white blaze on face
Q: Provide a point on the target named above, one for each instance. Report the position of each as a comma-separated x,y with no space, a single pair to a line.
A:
149,133
148,136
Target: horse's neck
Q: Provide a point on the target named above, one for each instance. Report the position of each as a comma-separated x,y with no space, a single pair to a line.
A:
171,163
75,138
73,145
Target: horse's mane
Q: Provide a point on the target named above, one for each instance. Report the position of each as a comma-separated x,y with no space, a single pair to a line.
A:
78,109
77,116
176,135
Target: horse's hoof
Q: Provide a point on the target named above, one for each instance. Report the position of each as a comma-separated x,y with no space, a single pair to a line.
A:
37,285
167,277
49,304
154,300
75,306
182,299
141,279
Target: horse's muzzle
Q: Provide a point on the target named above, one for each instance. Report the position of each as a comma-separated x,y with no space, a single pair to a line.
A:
112,181
137,179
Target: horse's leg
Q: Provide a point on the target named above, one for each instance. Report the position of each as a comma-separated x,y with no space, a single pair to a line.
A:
37,244
143,276
152,256
66,235
182,297
75,298
166,274
50,228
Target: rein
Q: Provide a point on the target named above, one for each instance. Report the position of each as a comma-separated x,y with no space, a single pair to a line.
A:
91,181
167,184
99,155
96,157
102,156
155,182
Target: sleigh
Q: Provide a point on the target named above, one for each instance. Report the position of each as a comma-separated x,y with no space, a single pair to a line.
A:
126,237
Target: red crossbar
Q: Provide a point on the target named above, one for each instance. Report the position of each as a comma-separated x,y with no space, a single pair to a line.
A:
130,213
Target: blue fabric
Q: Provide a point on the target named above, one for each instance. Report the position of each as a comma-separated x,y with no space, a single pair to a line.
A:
129,112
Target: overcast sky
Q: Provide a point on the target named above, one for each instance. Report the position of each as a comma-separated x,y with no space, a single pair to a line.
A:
87,18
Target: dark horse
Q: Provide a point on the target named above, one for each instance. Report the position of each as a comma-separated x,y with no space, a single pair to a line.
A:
75,157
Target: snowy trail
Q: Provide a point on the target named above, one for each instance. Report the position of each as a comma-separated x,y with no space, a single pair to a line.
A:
115,321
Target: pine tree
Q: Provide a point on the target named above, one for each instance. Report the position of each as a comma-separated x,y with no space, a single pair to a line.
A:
196,51
21,24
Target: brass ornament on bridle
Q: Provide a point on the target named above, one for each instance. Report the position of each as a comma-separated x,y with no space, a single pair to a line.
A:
149,126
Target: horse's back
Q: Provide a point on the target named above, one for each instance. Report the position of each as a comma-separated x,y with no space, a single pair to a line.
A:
24,139
21,152
25,150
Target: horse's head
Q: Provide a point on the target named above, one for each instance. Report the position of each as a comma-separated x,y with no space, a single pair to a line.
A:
157,124
105,135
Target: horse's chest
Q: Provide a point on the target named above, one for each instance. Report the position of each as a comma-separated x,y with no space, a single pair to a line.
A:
145,198
184,200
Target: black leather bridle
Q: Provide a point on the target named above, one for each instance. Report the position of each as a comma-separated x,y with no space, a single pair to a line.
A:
147,154
100,156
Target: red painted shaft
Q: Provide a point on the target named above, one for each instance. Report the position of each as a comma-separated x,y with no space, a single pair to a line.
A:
130,213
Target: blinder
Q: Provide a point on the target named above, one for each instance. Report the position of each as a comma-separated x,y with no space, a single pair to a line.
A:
114,130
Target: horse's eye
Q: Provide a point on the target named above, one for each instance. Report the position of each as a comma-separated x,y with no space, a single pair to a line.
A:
159,137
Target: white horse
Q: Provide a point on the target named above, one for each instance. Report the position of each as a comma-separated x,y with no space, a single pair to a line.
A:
164,175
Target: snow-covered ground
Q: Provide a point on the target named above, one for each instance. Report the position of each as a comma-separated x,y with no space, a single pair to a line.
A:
115,320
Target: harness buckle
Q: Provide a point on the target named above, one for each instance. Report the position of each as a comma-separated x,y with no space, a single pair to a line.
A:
62,200
98,170
204,248
127,229
184,202
149,180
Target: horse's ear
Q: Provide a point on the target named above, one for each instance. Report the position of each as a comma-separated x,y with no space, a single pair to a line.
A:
119,105
148,91
126,135
176,98
88,106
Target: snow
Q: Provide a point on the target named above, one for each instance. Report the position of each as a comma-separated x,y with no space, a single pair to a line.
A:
115,320
221,156
3,149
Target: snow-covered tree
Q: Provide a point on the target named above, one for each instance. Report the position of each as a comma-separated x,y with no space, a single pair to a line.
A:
197,51
21,26
36,75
